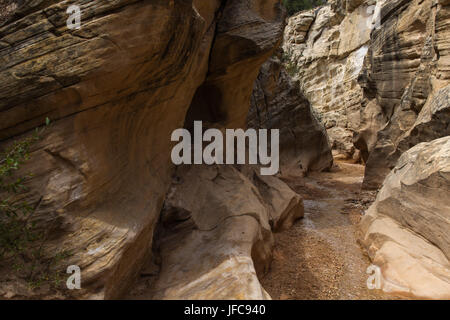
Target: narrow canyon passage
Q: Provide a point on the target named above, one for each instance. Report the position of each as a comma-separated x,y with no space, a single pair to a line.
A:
157,149
319,258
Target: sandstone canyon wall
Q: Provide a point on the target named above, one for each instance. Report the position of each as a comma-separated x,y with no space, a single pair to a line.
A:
115,90
215,234
373,70
405,80
371,75
277,103
377,72
325,48
405,110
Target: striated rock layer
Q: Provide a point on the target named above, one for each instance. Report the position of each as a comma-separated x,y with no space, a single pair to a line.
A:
406,230
325,50
277,103
115,90
406,103
405,79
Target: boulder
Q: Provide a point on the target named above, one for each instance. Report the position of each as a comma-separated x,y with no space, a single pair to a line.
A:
406,232
215,234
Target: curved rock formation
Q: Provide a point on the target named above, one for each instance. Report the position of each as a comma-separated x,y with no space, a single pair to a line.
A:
406,230
115,90
215,234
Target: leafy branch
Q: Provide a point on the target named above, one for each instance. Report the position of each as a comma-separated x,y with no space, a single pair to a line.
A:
20,240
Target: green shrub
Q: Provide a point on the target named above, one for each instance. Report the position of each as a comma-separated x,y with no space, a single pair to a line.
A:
15,213
294,6
21,241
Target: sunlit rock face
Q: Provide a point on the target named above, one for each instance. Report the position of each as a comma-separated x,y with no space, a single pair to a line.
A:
405,80
325,49
115,90
372,69
406,230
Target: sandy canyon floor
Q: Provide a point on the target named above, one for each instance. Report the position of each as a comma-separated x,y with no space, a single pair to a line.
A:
319,257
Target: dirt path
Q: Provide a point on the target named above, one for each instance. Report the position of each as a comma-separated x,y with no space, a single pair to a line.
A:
319,258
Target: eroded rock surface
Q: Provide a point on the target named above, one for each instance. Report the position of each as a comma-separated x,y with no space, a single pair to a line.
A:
406,230
215,234
325,50
115,90
405,80
277,103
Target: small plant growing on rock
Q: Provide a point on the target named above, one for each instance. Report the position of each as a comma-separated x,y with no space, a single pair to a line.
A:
290,66
21,241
